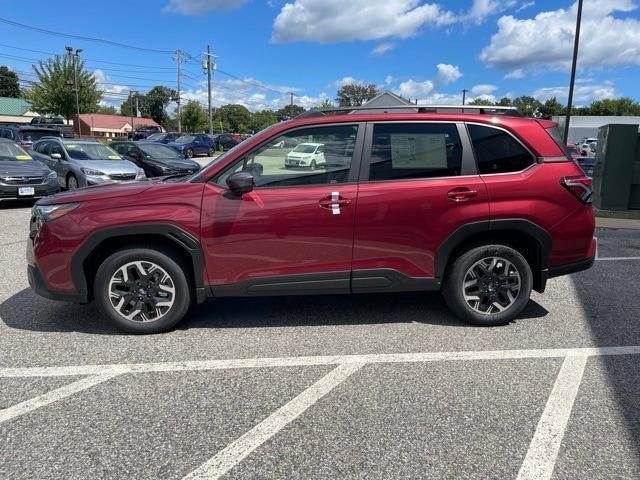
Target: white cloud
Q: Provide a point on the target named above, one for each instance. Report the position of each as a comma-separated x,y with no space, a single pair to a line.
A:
583,92
389,79
200,7
481,9
525,5
515,74
383,48
447,73
114,94
341,82
415,89
330,21
483,89
547,39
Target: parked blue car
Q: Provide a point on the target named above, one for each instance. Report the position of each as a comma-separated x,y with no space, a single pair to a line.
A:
163,137
196,144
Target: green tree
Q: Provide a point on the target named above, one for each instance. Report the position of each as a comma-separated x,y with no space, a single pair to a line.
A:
9,84
263,119
505,102
527,105
157,100
326,103
614,106
128,106
54,92
289,111
480,101
354,95
106,109
194,118
550,108
235,118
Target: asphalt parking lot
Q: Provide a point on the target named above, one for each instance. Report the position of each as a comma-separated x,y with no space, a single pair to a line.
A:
366,386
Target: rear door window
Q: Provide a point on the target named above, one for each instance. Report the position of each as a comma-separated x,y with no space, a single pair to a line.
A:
414,150
497,151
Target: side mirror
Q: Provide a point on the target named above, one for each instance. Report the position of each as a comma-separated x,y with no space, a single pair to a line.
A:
56,156
240,182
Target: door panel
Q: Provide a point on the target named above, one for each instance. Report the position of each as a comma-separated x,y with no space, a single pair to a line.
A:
275,232
419,184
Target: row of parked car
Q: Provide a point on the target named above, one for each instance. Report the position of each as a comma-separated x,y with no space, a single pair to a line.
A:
51,163
189,144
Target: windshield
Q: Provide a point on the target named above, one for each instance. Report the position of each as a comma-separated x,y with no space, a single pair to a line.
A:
159,151
305,148
91,151
11,151
33,135
185,139
156,136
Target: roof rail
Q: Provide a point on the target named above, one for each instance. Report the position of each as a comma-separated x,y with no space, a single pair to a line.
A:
477,109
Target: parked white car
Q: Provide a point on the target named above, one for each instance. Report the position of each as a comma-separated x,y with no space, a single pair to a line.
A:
310,155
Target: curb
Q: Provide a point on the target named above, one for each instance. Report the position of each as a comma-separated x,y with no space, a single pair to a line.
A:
622,223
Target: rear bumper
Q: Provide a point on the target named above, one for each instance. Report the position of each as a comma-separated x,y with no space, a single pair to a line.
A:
38,285
574,267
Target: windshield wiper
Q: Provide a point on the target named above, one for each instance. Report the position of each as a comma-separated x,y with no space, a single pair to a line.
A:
177,175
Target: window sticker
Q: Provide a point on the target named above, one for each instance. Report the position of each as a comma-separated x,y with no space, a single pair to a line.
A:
23,157
422,150
114,157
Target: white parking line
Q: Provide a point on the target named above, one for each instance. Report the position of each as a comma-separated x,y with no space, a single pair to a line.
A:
117,369
604,259
52,396
545,445
236,451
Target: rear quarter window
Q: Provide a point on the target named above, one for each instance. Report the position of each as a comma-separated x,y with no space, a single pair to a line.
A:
496,151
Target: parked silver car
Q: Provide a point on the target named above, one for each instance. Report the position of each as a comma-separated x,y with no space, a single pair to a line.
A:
80,163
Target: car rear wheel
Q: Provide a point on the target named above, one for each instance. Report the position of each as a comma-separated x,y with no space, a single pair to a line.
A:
72,182
189,153
212,151
488,285
142,290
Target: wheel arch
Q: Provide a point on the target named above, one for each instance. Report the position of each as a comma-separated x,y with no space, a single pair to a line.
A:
528,238
166,237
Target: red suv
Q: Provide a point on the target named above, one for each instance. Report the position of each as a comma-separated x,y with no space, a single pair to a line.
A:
484,206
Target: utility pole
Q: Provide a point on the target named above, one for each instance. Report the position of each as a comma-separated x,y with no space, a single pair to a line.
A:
131,112
291,93
74,57
179,59
209,67
576,43
464,95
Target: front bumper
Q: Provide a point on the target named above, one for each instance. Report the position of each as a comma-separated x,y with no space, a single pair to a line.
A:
10,192
37,283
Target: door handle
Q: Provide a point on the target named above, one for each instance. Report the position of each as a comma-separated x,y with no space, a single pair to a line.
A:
462,194
334,203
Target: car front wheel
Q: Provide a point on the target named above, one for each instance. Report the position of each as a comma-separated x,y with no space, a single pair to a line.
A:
189,153
142,290
72,182
488,285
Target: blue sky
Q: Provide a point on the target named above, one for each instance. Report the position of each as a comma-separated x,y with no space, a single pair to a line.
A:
425,50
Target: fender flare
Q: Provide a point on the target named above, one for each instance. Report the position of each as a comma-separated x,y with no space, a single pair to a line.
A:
176,235
520,225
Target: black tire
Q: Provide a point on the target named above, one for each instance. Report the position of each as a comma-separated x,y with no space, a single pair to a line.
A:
182,297
453,285
212,152
313,165
72,182
189,153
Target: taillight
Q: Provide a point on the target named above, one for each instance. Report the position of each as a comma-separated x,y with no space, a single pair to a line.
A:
579,186
25,144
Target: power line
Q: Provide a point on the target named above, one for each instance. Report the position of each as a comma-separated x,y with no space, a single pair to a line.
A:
81,37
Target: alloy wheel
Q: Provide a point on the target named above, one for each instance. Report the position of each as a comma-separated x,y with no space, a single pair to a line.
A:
141,291
491,285
72,183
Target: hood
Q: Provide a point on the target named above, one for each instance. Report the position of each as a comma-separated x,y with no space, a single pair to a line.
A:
99,192
22,168
181,163
108,166
179,145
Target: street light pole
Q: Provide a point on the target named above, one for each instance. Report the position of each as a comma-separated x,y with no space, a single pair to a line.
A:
576,43
464,95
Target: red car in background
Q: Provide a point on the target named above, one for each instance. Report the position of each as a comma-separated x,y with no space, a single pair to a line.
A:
484,206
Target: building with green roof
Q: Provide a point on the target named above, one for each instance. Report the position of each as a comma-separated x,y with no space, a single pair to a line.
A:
15,110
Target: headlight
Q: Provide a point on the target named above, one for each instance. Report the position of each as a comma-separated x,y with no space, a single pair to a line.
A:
90,171
41,214
52,175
